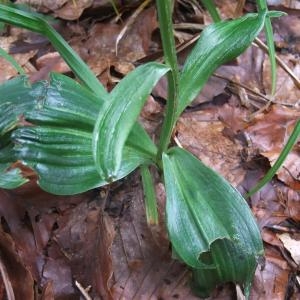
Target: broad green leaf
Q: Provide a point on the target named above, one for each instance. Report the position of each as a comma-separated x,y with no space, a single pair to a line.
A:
231,267
218,44
63,159
59,145
208,220
16,96
37,24
118,116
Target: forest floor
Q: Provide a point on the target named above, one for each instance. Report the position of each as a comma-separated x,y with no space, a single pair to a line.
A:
97,245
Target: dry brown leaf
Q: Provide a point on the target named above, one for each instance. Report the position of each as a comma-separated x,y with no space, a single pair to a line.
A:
60,239
291,200
49,4
271,282
269,133
286,91
99,49
226,8
73,9
292,245
287,34
18,276
53,62
266,205
201,133
7,71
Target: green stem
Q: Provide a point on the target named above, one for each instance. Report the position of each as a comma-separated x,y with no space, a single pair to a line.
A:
211,7
150,197
12,61
164,9
262,5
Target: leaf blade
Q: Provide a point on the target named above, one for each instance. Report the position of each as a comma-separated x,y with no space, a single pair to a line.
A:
218,43
116,120
59,144
203,212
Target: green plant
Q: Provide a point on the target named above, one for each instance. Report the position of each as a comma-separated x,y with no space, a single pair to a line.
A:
81,137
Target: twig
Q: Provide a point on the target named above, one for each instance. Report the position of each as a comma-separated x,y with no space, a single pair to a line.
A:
83,291
7,283
130,22
254,92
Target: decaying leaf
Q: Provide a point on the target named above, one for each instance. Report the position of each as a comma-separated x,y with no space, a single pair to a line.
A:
269,134
204,135
292,245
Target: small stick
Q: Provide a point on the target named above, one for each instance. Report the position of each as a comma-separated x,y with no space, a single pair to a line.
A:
130,22
83,291
7,283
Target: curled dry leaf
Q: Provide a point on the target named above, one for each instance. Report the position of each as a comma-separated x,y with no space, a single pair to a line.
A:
269,134
72,10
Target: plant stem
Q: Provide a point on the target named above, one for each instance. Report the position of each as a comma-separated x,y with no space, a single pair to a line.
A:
211,7
262,5
164,9
150,197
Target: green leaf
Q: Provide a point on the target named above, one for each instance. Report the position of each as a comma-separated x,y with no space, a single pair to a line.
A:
231,267
208,220
118,116
59,145
16,97
11,179
34,22
218,44
63,159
